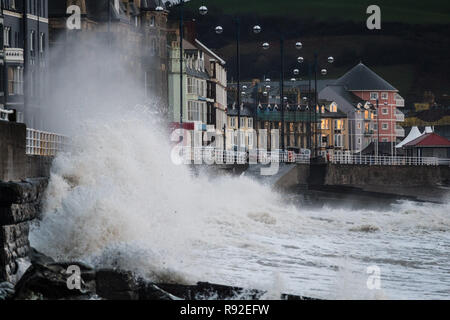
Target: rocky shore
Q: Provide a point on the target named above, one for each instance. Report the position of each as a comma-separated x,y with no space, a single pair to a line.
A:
47,279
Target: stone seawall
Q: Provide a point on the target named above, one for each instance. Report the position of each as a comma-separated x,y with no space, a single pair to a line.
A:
336,174
20,203
15,164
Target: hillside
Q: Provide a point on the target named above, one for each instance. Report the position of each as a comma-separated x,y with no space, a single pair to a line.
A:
411,51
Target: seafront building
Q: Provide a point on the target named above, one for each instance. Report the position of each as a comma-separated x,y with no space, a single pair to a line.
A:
24,48
334,133
136,30
371,104
204,86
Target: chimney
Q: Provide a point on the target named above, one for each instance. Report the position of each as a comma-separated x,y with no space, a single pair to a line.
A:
190,31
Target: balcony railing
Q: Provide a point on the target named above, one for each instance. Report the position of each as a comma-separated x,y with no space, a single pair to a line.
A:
399,102
399,116
399,132
14,55
342,158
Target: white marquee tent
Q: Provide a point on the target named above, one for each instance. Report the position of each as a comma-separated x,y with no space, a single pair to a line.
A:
413,134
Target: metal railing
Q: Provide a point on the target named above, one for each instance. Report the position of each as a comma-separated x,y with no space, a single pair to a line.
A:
384,160
210,155
42,143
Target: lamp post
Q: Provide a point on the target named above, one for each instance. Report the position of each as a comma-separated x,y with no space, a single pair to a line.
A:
298,46
219,30
324,72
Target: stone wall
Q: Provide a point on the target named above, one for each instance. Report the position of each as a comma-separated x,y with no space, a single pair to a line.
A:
13,160
336,174
20,203
15,164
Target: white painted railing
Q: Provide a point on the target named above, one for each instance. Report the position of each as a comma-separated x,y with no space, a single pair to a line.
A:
4,114
211,155
385,160
43,143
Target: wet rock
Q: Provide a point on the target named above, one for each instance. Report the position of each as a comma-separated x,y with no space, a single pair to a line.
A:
6,290
47,279
116,285
14,251
150,291
26,191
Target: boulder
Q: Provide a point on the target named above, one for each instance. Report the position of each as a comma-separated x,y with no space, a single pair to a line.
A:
47,279
114,284
6,290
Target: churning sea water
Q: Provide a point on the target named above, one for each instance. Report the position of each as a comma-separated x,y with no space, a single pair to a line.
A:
116,199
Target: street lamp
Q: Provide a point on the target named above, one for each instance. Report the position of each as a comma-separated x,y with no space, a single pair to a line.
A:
203,10
256,29
324,72
298,46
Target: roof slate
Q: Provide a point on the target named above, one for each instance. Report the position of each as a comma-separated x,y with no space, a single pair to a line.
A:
429,140
361,78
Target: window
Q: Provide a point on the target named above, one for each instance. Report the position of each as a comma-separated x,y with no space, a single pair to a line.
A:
15,81
7,36
338,140
250,122
339,124
12,4
152,21
373,95
20,117
232,122
242,122
359,140
190,85
32,40
384,126
41,42
384,95
366,114
194,111
359,125
384,140
250,139
384,111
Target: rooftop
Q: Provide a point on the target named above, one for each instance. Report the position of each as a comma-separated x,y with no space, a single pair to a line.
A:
429,140
361,78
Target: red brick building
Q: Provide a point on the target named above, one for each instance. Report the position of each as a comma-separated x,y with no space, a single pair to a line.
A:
370,87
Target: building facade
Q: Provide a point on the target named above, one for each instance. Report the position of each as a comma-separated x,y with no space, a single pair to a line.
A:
371,106
25,45
216,88
136,30
194,87
334,135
